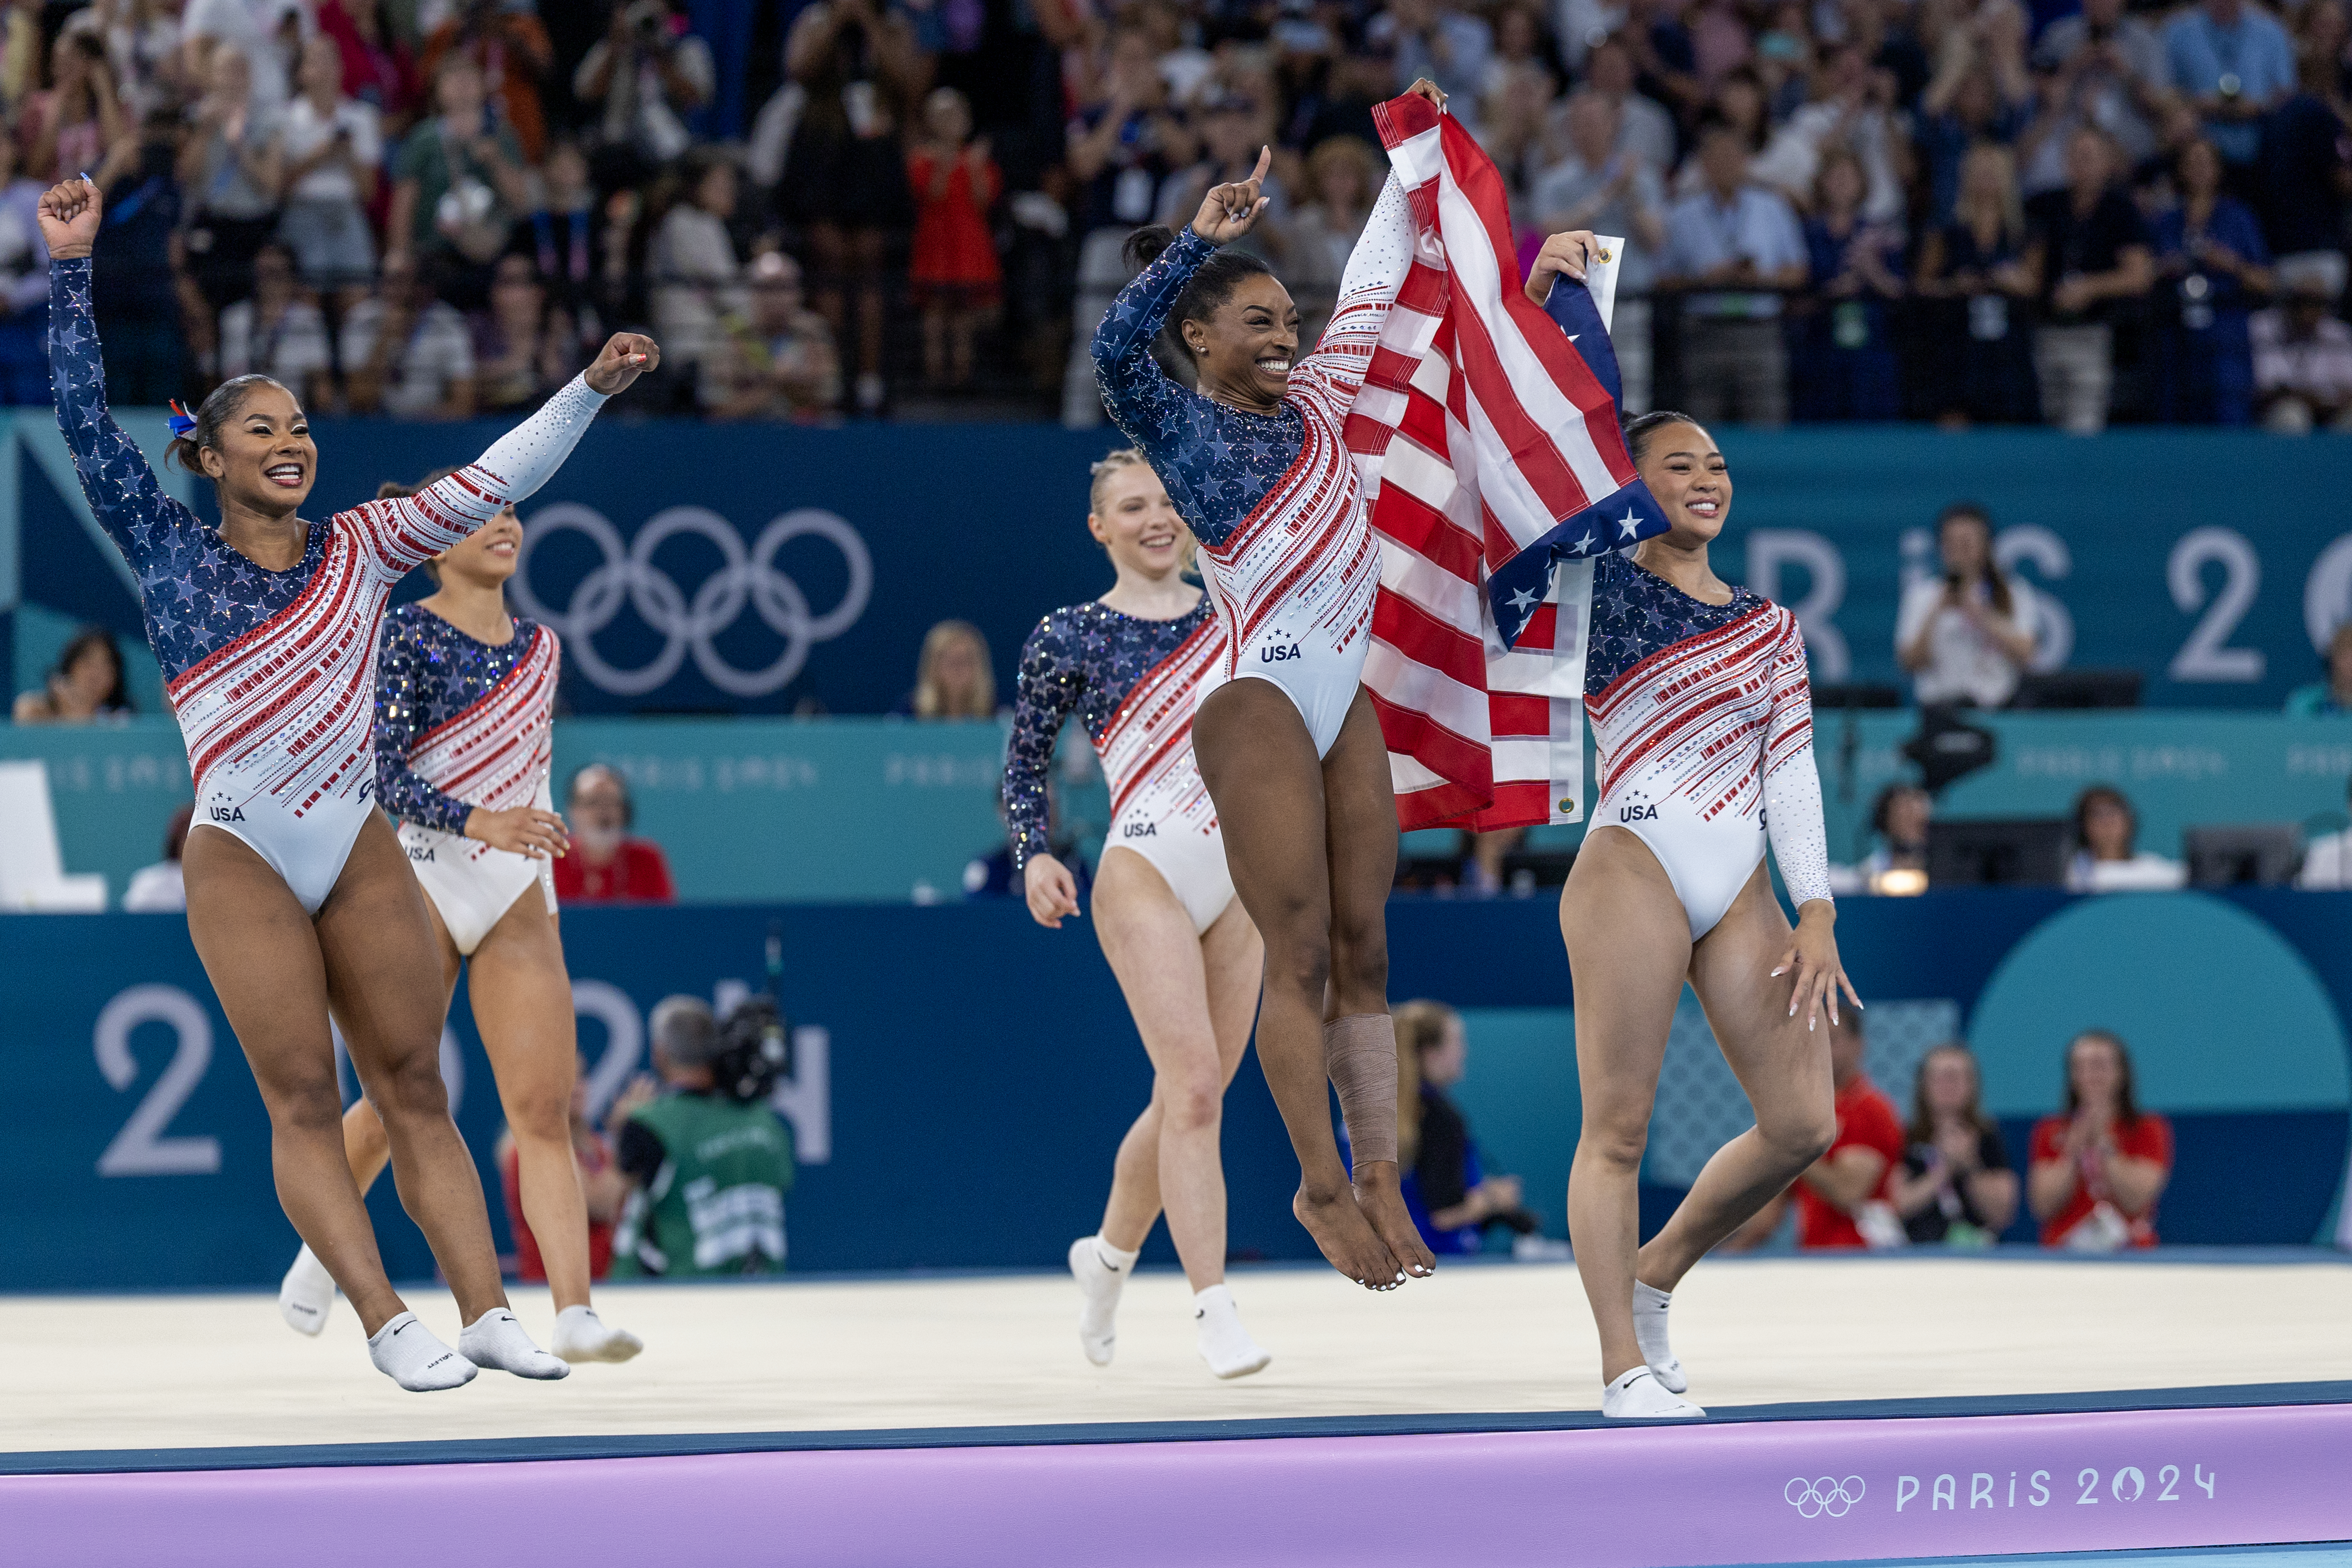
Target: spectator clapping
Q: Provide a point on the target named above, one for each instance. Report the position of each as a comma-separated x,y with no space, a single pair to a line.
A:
2101,1163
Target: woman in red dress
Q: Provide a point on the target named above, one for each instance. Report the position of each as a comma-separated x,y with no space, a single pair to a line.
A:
953,265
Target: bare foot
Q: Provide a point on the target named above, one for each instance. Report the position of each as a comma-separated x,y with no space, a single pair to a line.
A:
1383,1206
1348,1241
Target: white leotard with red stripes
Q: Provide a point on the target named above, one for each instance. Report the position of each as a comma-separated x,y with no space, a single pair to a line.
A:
1705,749
491,748
272,674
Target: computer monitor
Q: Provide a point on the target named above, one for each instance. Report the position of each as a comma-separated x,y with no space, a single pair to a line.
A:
2024,852
2264,853
2079,688
1856,694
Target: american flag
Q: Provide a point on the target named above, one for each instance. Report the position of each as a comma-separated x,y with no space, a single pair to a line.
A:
1494,470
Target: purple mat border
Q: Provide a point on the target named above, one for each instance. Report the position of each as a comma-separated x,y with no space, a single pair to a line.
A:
468,1451
1678,1497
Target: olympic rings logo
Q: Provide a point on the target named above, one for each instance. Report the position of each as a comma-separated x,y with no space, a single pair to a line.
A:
1826,1496
743,578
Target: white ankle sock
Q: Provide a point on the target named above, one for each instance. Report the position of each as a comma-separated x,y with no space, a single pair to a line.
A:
496,1340
407,1351
1100,1269
581,1335
1638,1396
1650,1333
306,1294
1225,1345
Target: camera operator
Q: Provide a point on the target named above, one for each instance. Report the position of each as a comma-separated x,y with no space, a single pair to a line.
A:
649,72
708,1162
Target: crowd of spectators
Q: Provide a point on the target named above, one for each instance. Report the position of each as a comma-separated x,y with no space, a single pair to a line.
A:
1944,1177
1961,210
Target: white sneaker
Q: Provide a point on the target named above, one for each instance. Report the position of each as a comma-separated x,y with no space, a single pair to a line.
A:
1639,1396
306,1294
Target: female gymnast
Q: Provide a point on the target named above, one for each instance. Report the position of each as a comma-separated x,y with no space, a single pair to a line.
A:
1184,951
464,698
1703,720
1294,759
299,898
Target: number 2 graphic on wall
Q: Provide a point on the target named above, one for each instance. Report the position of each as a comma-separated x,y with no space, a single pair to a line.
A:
140,1149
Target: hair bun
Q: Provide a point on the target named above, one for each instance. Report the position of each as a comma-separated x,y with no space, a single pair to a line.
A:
1144,245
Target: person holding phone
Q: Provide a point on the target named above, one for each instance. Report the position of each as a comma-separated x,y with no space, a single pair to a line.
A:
1967,635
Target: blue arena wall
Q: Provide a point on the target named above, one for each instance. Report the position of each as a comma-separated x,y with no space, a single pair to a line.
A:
963,1076
697,568
848,810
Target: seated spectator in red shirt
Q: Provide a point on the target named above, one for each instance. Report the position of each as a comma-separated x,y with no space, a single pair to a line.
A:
1956,1185
603,1186
1842,1197
2098,1168
606,865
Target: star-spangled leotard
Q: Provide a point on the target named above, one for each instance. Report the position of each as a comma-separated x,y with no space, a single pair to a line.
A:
271,674
1704,722
461,723
1130,681
1274,499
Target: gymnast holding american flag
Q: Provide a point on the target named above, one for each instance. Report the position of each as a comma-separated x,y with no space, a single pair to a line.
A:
1537,565
1287,741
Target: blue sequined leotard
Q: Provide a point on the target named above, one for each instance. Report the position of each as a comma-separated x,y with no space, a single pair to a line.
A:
428,674
1275,499
1083,659
1133,683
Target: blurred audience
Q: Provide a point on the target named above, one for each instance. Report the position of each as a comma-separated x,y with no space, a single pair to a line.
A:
952,268
2212,262
406,351
1452,1199
2303,355
2324,698
1968,635
23,286
85,684
777,361
1736,245
2088,250
277,332
694,264
608,865
1844,366
1845,210
524,345
327,163
954,677
2107,858
1956,1185
159,888
2099,1166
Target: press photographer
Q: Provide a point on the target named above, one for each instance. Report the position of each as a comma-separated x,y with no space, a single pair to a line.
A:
708,1160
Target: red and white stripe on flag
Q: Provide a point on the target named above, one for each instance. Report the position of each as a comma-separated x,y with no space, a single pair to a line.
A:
1480,429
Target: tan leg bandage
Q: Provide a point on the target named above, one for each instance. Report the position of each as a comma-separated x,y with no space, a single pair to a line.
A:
1359,1053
